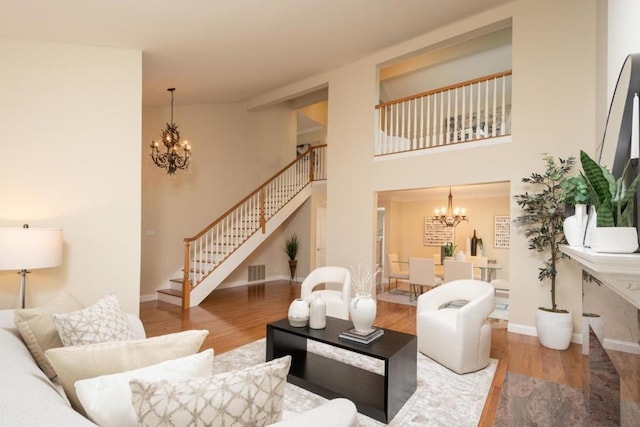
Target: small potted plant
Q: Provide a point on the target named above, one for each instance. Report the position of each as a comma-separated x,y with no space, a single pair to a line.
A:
291,247
576,197
542,219
449,250
613,202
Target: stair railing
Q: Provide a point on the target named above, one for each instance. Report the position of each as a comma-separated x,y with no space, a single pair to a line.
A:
205,251
468,111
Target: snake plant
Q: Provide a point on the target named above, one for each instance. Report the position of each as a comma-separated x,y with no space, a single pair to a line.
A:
612,198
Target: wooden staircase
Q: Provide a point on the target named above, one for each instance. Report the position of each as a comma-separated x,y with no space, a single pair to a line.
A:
216,251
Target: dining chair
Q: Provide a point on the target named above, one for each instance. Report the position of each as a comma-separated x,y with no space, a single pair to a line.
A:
394,271
422,272
456,270
478,261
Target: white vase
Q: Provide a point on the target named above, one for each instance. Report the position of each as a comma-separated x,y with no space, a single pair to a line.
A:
614,240
575,226
363,312
318,313
298,313
554,329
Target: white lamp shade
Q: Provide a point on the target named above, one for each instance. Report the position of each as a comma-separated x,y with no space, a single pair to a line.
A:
27,248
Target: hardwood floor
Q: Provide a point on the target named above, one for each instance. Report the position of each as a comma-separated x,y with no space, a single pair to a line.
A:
238,316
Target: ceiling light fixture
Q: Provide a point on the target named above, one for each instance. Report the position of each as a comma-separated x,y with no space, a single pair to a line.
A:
451,217
171,159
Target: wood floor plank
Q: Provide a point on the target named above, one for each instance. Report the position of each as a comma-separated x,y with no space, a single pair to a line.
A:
238,316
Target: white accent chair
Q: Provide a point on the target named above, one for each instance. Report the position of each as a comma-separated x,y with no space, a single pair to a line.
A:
393,268
457,338
422,272
457,270
337,292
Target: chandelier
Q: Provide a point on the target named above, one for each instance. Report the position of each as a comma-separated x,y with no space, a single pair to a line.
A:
171,159
451,217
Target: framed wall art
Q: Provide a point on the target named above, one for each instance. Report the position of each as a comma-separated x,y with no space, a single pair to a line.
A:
436,234
502,231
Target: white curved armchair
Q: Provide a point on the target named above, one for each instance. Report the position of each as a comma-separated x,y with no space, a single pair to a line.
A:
337,292
457,338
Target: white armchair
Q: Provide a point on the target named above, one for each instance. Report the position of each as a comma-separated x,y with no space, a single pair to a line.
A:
457,338
337,292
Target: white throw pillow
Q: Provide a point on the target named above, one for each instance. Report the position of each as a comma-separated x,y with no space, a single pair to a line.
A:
100,322
248,397
107,399
87,361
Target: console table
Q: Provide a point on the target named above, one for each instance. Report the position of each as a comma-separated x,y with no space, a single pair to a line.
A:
378,396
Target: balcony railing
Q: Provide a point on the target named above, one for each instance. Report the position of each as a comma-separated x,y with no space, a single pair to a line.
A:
465,112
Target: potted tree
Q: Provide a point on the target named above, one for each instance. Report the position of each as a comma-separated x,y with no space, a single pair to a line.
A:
575,195
291,246
542,220
613,202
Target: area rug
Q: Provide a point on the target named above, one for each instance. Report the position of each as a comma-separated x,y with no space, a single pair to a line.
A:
527,401
442,398
501,311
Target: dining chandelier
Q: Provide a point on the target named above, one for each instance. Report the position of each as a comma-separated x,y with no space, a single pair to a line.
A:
451,217
178,152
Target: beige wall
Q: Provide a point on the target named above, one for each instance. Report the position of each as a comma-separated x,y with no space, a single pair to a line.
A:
234,151
554,86
71,131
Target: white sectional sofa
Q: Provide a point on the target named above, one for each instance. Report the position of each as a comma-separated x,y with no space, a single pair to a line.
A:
29,398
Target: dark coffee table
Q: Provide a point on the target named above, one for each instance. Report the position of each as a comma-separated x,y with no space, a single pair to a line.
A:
378,396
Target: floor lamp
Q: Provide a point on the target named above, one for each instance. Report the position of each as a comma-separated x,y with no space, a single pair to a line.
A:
29,248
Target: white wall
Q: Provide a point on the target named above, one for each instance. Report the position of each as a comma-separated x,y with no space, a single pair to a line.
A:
71,131
554,87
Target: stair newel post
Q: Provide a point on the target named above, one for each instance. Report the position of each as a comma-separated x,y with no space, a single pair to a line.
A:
186,283
312,162
263,221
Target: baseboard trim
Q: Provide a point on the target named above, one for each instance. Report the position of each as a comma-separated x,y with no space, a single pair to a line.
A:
609,344
531,331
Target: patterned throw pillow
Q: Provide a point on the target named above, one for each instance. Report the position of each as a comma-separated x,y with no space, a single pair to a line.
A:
251,396
101,322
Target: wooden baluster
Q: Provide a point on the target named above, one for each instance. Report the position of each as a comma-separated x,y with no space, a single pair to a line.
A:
312,162
421,139
495,118
486,109
471,121
415,124
456,135
186,284
504,107
427,141
263,221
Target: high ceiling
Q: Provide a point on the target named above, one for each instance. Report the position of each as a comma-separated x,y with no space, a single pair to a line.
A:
216,51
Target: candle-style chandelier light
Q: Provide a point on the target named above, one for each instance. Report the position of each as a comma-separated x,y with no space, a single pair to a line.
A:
178,152
451,217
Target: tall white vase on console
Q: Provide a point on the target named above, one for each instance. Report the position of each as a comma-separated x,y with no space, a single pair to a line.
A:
574,226
363,312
